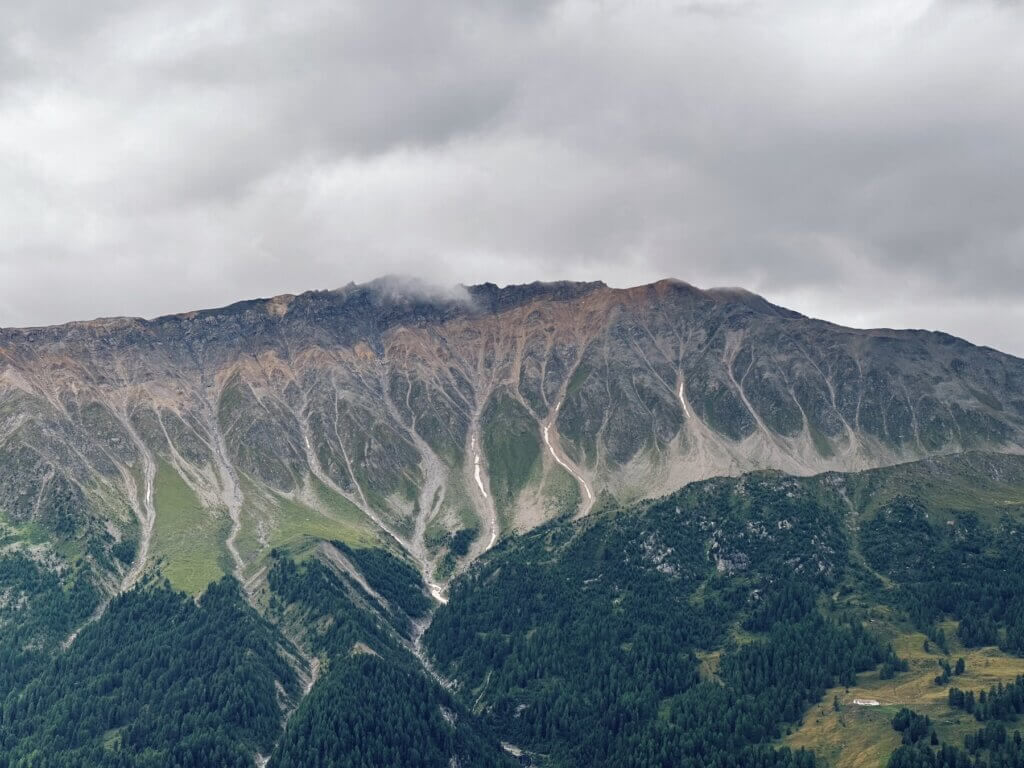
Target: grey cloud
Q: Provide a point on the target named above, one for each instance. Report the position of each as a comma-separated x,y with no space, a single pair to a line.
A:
862,161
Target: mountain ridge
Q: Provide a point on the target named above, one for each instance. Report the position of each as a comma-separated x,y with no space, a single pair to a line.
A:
414,416
498,298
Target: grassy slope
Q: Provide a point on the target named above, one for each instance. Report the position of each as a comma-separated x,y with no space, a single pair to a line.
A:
561,492
512,445
857,736
962,483
297,525
272,520
187,539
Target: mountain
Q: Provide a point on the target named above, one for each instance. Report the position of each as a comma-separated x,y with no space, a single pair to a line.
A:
387,412
323,471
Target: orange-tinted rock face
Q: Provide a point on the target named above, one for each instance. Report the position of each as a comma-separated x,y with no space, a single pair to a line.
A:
428,414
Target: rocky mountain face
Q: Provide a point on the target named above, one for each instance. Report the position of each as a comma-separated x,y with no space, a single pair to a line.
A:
435,424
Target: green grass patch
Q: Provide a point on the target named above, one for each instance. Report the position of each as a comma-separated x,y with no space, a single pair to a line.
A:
511,442
951,484
861,736
297,527
821,443
579,376
188,540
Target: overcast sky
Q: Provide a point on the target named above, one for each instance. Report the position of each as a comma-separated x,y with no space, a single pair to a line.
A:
861,161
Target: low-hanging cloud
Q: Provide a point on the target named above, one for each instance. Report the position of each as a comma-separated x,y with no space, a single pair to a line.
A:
862,161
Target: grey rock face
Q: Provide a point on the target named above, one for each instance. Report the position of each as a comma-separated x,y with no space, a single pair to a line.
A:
376,392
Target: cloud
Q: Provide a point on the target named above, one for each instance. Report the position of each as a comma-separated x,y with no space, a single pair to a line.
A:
862,161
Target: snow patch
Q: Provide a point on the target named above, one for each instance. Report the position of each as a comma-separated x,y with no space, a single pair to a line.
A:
682,400
477,470
436,590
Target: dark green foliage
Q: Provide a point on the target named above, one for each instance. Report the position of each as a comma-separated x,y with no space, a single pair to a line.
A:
709,725
994,738
375,706
1001,702
124,551
989,747
170,682
789,602
62,507
397,581
579,637
458,546
938,636
923,756
461,540
892,665
800,661
964,569
568,635
367,713
977,628
37,614
323,599
913,726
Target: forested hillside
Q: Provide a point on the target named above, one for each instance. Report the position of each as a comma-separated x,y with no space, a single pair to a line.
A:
702,628
374,705
159,680
764,620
